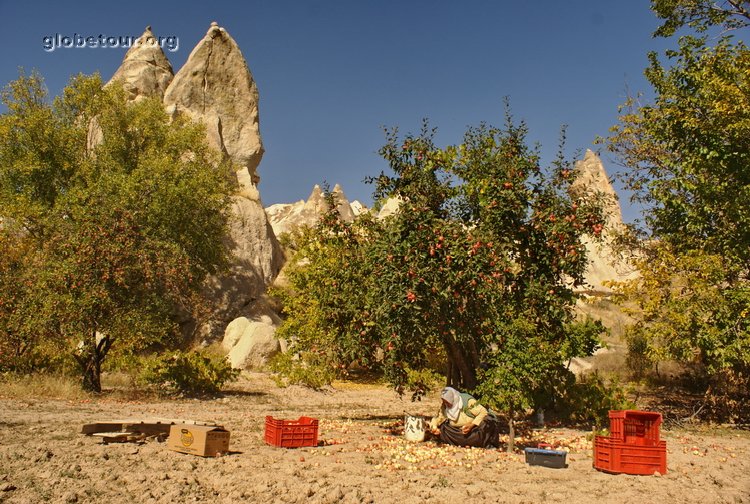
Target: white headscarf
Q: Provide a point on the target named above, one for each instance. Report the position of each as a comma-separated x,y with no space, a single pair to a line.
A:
455,403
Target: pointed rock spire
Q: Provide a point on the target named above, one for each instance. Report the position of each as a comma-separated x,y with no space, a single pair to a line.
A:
316,203
215,85
342,204
591,176
145,71
605,263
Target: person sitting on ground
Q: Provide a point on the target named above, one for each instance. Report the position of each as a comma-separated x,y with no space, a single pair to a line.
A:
462,421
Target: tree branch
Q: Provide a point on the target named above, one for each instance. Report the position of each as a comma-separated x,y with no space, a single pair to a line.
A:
739,10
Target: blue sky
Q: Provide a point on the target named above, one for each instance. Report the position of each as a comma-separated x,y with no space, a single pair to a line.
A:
332,73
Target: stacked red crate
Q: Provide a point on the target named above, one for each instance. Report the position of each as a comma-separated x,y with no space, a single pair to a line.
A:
633,446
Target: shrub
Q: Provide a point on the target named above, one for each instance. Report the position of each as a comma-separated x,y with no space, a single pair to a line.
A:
188,372
638,361
421,381
589,399
309,368
728,398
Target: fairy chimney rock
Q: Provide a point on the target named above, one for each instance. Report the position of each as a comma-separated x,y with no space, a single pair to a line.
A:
145,71
342,204
215,86
606,262
316,203
592,177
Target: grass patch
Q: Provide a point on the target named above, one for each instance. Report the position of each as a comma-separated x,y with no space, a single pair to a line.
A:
118,380
611,364
53,386
358,385
117,386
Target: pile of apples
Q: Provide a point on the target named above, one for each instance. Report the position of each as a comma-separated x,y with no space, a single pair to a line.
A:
400,454
333,427
392,452
690,445
554,439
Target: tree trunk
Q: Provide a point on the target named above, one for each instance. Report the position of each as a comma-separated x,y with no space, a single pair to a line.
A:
90,359
92,376
511,432
462,367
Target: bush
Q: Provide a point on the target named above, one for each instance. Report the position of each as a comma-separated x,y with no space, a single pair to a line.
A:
589,399
638,361
421,381
188,372
728,397
310,369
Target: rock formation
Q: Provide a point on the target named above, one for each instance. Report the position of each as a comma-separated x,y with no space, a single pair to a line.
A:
145,71
604,262
251,341
216,87
390,207
342,204
357,208
285,217
315,204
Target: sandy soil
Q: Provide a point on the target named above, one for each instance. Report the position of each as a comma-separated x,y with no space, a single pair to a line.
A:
43,458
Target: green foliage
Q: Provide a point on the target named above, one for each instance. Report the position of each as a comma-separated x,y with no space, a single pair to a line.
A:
483,258
729,398
686,311
420,381
117,236
687,155
700,15
588,400
538,379
478,264
308,367
187,372
324,306
517,372
638,360
583,338
16,341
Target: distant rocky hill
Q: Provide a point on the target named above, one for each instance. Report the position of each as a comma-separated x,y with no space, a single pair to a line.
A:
604,263
285,217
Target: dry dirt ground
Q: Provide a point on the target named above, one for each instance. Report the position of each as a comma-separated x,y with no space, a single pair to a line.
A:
43,458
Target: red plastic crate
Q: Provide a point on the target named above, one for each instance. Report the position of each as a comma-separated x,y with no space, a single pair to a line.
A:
635,427
292,433
615,456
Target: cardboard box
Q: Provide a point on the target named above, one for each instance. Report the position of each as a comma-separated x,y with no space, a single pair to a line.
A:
202,440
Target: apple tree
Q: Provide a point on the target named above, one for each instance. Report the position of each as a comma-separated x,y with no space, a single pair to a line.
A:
118,233
477,267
